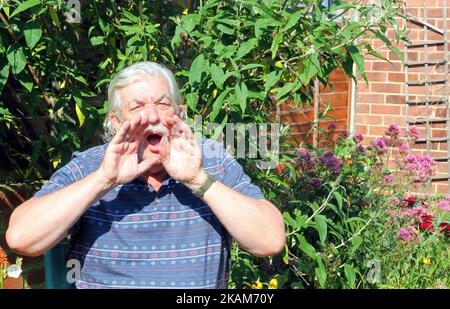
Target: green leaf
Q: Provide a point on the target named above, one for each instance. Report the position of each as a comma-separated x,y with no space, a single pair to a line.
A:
80,115
356,242
81,79
32,32
338,197
97,40
217,105
246,47
272,79
321,227
276,44
4,74
217,75
285,90
16,58
350,275
321,272
286,254
197,68
251,66
192,101
358,59
292,20
25,6
225,29
241,95
306,247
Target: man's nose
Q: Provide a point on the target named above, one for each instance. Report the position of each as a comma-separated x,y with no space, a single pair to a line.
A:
152,113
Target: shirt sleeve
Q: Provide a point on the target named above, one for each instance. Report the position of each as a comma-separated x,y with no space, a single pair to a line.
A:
63,177
233,175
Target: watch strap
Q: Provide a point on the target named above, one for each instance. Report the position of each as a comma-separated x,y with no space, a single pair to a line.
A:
205,186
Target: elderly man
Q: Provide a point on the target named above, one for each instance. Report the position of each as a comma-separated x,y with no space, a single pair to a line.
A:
152,208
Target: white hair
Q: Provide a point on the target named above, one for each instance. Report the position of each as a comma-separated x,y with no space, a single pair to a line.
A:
128,76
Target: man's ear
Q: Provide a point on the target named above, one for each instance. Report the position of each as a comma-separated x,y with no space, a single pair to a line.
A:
115,122
181,111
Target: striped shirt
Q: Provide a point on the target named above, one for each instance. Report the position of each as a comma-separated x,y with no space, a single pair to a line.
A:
135,237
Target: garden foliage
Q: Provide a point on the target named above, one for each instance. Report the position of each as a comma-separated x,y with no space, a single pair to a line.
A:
236,62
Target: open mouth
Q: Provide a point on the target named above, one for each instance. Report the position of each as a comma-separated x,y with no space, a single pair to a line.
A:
154,139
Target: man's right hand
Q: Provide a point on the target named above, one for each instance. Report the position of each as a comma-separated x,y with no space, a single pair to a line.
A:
121,162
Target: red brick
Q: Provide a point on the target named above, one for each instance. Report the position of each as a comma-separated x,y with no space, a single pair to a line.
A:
377,76
335,99
370,119
362,108
370,98
396,77
376,130
395,99
383,109
386,66
385,87
363,129
398,120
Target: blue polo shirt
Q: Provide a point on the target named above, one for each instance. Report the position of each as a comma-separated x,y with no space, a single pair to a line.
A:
134,237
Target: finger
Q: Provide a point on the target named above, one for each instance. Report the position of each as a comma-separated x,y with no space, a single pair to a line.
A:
141,127
121,135
145,165
164,149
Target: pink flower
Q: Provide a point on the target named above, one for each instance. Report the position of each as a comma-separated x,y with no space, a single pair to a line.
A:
332,126
406,233
444,205
420,165
414,132
394,201
393,131
380,144
387,179
403,149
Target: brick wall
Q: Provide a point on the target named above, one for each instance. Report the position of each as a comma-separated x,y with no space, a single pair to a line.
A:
302,117
382,102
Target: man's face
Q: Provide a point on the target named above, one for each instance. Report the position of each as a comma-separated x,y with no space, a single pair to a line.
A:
149,96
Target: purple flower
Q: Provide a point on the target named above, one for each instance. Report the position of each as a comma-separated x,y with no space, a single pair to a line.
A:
306,159
332,126
393,131
380,145
361,149
358,137
345,134
414,132
364,203
331,162
406,233
316,182
403,149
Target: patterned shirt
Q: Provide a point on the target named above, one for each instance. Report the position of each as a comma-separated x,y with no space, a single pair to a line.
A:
135,237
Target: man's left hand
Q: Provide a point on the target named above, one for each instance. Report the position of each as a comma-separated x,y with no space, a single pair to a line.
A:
181,154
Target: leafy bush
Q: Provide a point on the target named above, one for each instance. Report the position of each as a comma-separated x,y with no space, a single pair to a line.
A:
346,213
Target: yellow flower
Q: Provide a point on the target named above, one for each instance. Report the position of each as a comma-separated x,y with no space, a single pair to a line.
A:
273,284
257,285
185,11
426,261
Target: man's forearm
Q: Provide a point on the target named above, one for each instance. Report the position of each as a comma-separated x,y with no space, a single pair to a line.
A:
255,224
40,223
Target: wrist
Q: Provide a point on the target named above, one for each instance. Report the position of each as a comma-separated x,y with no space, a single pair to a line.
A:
198,181
104,182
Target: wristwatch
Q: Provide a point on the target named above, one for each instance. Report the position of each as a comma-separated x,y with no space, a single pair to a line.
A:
205,186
